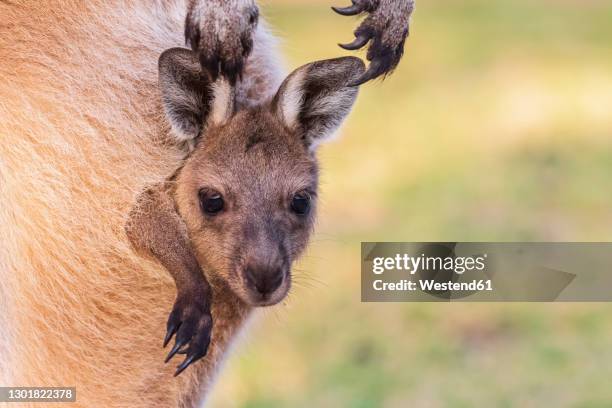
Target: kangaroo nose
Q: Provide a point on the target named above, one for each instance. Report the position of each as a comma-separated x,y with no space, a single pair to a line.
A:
264,281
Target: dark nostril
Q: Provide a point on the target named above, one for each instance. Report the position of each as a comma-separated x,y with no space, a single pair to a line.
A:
274,281
264,282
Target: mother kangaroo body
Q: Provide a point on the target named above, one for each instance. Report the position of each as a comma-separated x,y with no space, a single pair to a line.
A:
82,132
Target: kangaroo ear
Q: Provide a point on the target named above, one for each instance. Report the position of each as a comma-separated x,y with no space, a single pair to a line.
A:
190,99
315,98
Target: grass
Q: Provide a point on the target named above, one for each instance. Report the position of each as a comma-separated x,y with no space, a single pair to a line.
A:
496,126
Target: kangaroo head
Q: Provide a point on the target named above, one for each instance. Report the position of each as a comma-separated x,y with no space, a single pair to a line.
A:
248,190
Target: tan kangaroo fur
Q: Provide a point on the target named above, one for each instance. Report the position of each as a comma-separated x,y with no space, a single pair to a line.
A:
83,132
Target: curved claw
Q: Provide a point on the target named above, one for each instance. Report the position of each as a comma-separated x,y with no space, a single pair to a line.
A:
171,328
375,69
184,365
197,349
168,337
357,43
174,350
351,10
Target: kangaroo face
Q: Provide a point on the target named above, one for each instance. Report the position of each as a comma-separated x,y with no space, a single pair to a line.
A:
248,195
247,192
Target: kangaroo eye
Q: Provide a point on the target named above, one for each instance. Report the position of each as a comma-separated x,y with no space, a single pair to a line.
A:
300,204
211,201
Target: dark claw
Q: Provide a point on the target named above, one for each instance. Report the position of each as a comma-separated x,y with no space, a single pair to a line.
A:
375,69
171,327
190,323
383,32
174,350
198,346
169,335
184,364
351,10
357,43
193,354
183,336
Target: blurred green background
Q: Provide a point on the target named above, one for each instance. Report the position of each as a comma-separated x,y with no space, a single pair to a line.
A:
497,126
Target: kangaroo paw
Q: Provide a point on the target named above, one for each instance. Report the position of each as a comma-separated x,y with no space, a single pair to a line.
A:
191,321
221,33
385,29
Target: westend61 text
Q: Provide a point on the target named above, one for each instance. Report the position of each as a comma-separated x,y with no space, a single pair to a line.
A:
428,285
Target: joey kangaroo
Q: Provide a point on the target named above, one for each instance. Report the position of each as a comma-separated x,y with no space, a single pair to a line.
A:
242,205
85,126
